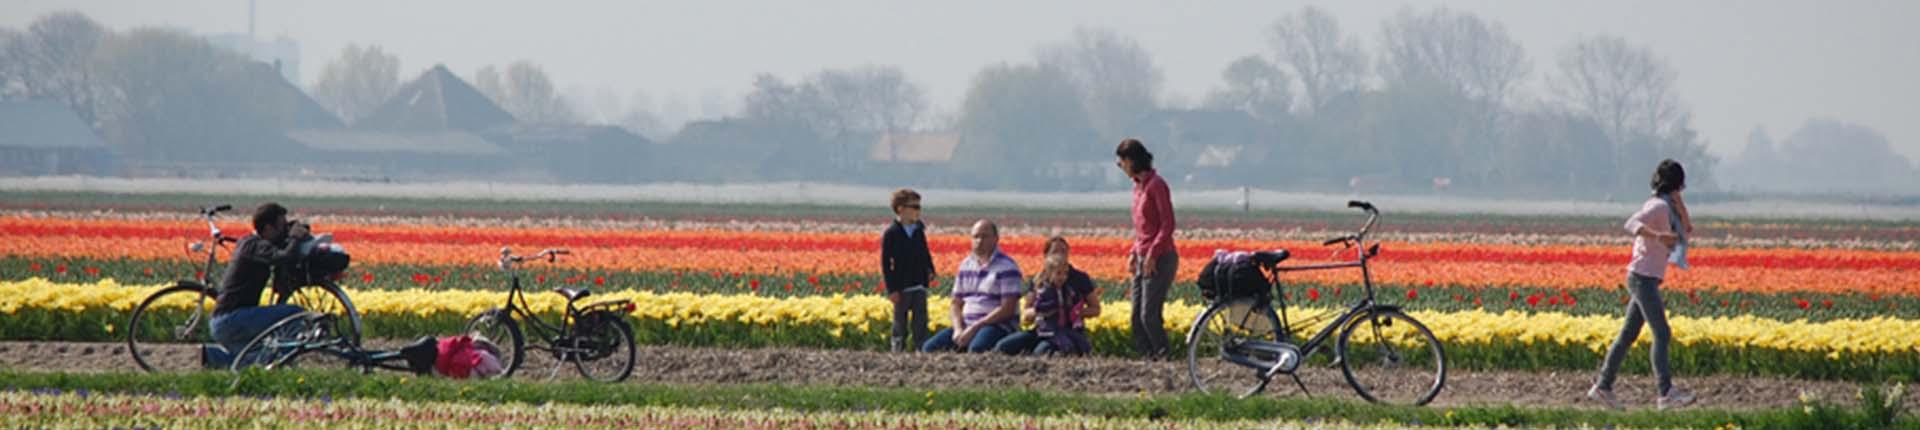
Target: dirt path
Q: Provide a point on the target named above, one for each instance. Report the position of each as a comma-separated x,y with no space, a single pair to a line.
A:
1091,375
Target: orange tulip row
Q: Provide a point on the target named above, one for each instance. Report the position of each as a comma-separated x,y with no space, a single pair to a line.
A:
1103,262
1192,250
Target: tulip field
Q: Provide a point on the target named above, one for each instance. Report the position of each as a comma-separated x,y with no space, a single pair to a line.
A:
1797,299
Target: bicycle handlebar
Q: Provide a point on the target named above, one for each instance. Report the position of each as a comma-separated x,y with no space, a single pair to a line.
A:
213,228
551,254
1362,206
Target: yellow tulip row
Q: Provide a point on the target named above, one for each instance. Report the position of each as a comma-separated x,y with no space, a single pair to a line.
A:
1835,338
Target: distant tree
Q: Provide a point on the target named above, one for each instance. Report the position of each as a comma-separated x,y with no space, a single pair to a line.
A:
1254,86
872,99
53,60
185,99
13,83
1327,62
357,82
1626,88
1456,51
525,91
1016,121
1629,91
1463,65
843,108
1827,155
1114,76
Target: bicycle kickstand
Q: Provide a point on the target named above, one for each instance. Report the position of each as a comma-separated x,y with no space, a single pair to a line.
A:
1303,385
556,369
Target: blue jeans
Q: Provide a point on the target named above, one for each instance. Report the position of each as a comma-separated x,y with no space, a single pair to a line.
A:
983,340
1026,342
237,327
1020,343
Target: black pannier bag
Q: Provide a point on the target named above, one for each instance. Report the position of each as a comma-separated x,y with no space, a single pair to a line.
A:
323,259
1232,275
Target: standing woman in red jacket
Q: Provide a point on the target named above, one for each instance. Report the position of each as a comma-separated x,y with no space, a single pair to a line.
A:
1153,260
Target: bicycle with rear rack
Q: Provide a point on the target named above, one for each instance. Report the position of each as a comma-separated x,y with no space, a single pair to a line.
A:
173,323
1239,345
596,338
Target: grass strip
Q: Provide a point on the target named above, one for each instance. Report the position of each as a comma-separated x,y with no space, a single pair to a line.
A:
337,385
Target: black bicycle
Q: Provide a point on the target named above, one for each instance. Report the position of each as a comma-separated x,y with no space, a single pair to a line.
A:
595,338
315,341
1239,345
169,330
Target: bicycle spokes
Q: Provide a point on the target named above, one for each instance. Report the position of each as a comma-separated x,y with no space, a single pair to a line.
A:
1390,358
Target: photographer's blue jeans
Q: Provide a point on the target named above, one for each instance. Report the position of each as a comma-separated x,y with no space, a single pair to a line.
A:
237,327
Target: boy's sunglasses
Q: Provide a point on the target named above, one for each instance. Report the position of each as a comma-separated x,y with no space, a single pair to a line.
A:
913,206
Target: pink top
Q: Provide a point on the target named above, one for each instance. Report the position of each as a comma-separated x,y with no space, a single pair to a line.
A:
1152,216
1649,255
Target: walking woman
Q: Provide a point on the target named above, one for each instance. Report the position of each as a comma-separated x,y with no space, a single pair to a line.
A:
1153,260
1660,233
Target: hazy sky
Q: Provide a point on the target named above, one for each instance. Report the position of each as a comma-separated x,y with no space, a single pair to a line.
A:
1741,63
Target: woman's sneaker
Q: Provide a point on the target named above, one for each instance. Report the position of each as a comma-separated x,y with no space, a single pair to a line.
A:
1675,398
1604,397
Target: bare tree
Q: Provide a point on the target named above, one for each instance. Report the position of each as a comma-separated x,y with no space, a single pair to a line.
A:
1116,78
1627,89
1254,86
13,83
873,99
1456,51
53,59
1018,119
525,91
773,100
1327,62
358,82
840,106
184,98
642,119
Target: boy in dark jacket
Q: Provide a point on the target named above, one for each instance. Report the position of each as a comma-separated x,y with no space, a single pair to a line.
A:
907,266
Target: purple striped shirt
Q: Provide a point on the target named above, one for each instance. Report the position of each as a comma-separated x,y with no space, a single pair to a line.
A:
983,287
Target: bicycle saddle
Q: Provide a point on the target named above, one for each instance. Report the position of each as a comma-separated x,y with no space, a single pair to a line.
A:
573,294
1270,258
421,354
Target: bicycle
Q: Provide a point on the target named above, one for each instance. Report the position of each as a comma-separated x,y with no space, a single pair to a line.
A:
312,337
595,338
175,319
1254,345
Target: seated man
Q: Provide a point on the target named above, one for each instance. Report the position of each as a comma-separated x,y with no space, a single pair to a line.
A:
986,297
237,314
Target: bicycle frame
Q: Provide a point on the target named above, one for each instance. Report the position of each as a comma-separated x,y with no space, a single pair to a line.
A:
1357,242
220,242
553,335
541,329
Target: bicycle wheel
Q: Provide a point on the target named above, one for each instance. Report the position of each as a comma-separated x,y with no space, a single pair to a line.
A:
497,326
306,339
606,344
1388,357
169,329
327,298
1217,335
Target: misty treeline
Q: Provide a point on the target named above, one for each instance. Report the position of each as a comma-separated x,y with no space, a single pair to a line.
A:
1441,100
